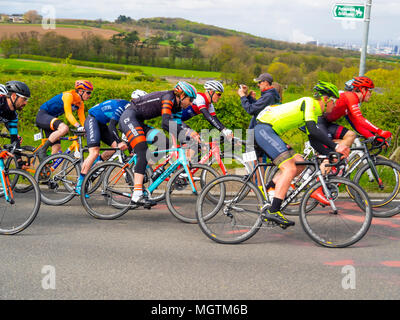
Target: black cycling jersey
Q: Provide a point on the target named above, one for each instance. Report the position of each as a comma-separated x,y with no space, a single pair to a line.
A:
10,119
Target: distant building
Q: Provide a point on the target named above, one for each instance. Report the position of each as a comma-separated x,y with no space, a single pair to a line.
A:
313,42
16,18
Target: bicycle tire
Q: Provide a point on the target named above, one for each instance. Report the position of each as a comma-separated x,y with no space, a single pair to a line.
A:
18,211
107,202
57,185
179,191
381,199
328,228
224,223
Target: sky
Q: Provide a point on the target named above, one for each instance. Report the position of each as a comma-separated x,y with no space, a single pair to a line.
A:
287,20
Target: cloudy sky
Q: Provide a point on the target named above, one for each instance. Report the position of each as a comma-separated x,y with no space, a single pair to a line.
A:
288,20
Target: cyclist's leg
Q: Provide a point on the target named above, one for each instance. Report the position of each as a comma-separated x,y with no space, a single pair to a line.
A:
133,129
283,157
54,129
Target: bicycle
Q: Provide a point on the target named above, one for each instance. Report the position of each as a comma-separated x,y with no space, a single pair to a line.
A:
238,215
58,174
18,210
379,176
111,199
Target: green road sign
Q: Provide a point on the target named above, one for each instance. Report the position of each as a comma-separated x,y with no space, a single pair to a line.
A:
349,11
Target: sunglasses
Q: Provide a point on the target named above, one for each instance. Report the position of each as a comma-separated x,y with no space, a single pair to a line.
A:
332,99
88,92
22,97
218,93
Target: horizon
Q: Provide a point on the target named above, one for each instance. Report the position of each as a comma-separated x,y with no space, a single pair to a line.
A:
287,21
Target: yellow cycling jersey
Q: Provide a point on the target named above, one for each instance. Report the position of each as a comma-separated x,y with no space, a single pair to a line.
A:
291,115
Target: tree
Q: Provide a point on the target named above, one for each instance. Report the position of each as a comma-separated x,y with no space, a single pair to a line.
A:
32,16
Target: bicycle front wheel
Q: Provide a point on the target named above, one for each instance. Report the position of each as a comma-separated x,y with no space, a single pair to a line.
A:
17,216
57,176
235,218
180,198
111,199
384,193
342,225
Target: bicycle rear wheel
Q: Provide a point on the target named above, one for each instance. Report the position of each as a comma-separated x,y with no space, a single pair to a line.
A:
343,227
18,216
111,199
180,199
234,218
57,176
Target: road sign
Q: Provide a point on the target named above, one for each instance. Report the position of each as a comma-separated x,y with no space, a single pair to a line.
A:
352,11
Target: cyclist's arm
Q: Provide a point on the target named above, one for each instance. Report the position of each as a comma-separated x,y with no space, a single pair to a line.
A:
166,114
212,119
360,124
253,107
12,127
319,135
68,99
112,129
81,114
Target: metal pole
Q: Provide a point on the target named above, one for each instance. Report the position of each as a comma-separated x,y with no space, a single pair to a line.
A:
365,37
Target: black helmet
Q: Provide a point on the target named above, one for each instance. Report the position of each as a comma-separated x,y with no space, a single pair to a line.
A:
19,88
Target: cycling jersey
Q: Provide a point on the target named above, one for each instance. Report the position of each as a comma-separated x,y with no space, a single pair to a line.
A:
66,102
107,110
348,105
200,105
10,119
290,115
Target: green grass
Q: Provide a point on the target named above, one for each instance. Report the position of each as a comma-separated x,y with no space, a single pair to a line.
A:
16,65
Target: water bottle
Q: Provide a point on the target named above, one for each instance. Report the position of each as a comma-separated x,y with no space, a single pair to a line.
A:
307,173
157,173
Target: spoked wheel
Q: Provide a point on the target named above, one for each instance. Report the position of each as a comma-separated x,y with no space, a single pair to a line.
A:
342,225
234,218
111,198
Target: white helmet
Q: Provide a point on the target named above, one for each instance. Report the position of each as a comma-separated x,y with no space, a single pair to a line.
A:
214,85
138,93
3,90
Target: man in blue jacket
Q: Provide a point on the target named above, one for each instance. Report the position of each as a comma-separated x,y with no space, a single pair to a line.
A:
269,96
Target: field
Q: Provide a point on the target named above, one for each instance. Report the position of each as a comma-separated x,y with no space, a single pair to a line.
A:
72,32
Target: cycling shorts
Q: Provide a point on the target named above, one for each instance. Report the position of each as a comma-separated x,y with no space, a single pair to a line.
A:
47,122
96,132
275,148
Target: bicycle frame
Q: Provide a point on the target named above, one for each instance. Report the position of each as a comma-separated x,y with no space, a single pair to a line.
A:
5,181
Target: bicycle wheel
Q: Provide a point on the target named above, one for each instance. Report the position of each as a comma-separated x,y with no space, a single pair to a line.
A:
234,218
343,227
180,198
384,197
112,198
18,216
57,176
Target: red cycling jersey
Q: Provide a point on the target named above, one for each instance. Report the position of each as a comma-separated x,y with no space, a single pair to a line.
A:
348,105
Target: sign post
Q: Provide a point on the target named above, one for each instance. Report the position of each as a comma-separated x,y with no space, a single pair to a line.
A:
356,12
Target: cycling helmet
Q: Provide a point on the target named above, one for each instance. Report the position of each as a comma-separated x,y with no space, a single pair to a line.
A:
186,88
3,90
348,86
324,88
19,88
363,82
214,85
138,93
83,84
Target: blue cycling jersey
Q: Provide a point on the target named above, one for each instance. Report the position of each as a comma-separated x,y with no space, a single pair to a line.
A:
110,109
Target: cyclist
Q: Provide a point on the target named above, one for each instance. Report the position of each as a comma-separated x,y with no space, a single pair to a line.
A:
153,105
63,103
204,104
100,125
358,90
274,121
14,95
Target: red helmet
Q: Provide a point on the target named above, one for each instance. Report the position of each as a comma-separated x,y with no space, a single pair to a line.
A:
83,84
363,82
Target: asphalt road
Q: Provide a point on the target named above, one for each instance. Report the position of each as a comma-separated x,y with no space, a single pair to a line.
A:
66,254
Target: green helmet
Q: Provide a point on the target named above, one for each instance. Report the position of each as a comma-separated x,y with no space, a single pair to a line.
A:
324,88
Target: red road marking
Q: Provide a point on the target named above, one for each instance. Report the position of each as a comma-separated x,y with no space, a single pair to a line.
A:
340,263
394,264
